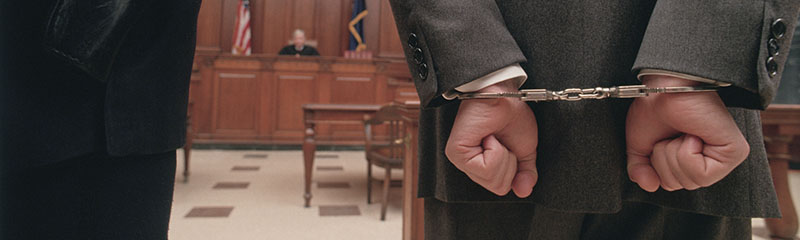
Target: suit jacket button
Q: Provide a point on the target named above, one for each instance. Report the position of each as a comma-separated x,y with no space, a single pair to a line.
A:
418,56
412,40
422,70
773,47
778,28
772,67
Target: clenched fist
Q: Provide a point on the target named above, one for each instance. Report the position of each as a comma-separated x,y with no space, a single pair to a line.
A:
494,142
681,140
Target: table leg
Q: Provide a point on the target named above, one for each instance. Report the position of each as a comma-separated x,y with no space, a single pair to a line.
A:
187,150
309,149
413,207
785,227
778,152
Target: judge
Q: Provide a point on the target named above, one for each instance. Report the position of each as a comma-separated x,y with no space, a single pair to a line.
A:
299,46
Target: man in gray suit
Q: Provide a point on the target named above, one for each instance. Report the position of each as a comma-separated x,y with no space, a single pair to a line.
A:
674,166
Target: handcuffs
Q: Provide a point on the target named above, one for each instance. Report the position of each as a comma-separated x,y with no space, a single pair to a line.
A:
576,94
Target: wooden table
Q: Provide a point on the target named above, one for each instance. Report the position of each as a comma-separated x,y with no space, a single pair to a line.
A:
781,124
413,210
335,114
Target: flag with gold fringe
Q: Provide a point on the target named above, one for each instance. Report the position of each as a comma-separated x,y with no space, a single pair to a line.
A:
356,26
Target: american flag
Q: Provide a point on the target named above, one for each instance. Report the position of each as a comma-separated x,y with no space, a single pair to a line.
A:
241,36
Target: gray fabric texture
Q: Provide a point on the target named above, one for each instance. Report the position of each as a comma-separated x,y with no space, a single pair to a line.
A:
567,44
518,221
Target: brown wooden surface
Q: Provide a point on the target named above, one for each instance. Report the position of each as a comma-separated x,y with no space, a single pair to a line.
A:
272,23
413,207
257,99
187,148
781,125
329,114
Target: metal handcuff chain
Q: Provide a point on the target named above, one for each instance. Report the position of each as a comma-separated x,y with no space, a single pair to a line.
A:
577,94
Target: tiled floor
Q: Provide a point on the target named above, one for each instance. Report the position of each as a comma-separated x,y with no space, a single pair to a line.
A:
240,195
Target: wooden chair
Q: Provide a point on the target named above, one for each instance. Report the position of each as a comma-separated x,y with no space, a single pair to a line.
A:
385,153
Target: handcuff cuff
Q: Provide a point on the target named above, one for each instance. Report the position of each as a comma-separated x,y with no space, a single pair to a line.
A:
577,94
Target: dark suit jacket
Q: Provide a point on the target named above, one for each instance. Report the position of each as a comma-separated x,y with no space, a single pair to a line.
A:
567,44
94,76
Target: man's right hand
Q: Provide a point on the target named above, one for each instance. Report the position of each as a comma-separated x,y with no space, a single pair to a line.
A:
494,142
681,141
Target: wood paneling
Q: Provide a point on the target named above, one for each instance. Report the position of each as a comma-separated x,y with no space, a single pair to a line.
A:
329,39
303,17
371,24
272,22
294,91
274,34
209,25
390,45
201,93
228,19
237,102
258,98
257,25
350,89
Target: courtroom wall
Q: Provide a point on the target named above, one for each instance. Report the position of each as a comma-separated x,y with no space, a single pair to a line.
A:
273,21
258,98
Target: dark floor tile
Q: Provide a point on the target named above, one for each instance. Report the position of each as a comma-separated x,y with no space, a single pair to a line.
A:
245,168
231,185
209,212
333,185
255,156
321,156
330,168
396,184
346,210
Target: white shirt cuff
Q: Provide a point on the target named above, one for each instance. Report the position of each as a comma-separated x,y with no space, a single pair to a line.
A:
512,73
645,72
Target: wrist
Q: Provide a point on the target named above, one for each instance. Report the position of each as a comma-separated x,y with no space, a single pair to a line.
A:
504,86
667,81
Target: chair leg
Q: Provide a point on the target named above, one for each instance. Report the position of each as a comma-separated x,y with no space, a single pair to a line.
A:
369,183
387,180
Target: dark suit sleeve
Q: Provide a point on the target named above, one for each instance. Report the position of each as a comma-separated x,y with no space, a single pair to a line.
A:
726,41
448,43
314,52
88,34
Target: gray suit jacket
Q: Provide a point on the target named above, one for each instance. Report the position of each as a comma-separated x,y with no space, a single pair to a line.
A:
564,44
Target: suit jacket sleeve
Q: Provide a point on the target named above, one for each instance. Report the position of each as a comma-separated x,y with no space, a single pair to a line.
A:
88,34
448,43
725,41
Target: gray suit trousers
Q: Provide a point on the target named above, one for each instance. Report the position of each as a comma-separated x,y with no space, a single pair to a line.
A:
516,221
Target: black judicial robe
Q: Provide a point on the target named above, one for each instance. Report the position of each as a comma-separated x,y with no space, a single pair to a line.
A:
307,51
